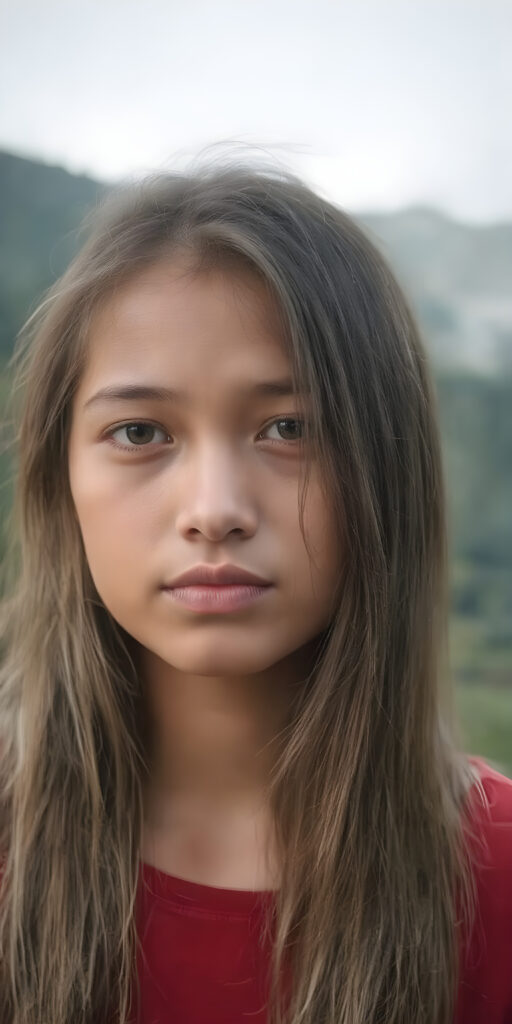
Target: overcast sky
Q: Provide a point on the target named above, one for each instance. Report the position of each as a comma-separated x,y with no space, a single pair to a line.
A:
378,103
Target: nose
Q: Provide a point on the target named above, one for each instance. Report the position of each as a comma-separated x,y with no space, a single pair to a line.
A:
215,495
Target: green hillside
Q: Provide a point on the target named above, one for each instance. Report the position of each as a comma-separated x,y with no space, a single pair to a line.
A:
40,210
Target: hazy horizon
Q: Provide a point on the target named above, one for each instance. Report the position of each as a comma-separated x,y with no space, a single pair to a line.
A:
380,106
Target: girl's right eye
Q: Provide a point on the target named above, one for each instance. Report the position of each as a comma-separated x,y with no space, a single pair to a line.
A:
135,432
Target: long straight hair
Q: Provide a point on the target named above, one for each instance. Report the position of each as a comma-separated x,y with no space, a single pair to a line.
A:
369,791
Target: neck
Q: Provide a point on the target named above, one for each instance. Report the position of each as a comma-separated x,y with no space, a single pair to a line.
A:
214,740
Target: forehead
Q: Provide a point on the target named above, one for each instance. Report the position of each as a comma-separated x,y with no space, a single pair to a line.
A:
188,326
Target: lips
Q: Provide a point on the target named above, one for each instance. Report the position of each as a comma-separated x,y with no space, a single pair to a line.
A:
215,576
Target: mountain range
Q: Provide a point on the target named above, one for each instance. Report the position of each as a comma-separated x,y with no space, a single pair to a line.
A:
458,276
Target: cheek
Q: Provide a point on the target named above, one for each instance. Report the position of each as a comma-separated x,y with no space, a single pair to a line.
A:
104,502
115,530
324,547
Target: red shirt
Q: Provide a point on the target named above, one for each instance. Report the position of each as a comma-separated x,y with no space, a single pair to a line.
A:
200,960
485,992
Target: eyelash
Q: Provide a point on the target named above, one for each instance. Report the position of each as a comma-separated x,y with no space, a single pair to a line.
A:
146,423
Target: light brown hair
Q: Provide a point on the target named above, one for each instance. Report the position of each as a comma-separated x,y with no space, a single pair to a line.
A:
369,790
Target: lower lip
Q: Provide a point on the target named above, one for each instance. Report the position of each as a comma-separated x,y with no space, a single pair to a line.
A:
227,598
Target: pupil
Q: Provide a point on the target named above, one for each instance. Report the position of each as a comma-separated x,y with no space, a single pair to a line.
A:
139,429
292,426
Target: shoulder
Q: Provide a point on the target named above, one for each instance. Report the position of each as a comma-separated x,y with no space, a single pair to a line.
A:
489,833
485,994
490,813
493,780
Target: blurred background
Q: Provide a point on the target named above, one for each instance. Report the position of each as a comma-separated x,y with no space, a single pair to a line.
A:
400,112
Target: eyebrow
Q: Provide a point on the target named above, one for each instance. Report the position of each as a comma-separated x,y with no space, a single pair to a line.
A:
132,392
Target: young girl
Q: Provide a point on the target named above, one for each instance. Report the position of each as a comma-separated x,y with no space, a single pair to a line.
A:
231,782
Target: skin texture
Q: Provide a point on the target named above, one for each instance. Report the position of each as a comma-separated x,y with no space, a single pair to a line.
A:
207,486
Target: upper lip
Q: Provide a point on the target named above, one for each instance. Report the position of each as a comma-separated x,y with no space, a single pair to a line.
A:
217,574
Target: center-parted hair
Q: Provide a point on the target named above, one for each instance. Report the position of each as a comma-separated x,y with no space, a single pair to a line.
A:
368,793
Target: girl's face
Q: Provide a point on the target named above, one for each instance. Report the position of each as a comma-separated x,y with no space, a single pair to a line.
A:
210,475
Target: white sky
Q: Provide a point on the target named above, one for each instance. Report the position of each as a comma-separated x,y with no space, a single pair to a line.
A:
378,103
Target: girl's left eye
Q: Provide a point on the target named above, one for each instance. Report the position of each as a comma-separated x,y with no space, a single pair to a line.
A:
136,430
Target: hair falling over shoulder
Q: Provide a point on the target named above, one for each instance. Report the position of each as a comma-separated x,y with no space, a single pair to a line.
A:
370,782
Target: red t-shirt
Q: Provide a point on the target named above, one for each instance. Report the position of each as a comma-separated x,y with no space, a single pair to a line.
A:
200,960
485,992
